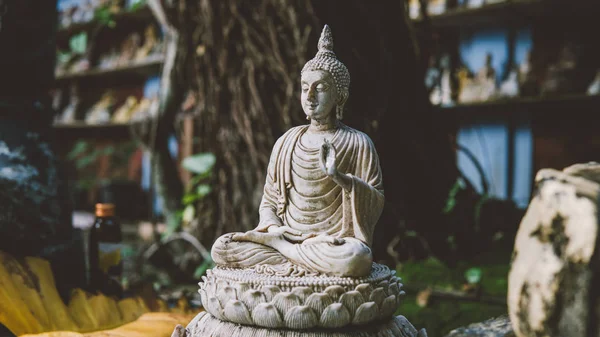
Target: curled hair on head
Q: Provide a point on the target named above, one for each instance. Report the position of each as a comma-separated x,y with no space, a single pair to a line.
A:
327,61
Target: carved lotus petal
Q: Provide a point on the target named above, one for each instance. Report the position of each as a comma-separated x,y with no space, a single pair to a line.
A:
302,292
335,292
214,307
335,316
365,289
235,311
242,287
352,300
252,298
265,314
394,288
203,297
221,284
367,312
388,307
377,296
301,317
270,291
318,302
383,284
285,301
226,294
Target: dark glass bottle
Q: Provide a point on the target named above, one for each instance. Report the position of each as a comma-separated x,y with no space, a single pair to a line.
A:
106,266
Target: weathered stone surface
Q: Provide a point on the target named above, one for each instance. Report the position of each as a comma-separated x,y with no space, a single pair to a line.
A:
550,283
205,325
495,327
245,296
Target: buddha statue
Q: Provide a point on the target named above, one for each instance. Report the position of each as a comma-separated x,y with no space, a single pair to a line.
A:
307,269
323,192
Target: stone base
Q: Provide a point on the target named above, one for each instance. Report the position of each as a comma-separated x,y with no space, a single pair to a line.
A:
205,325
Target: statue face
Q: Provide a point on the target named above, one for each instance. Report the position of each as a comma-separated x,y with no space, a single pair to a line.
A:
319,95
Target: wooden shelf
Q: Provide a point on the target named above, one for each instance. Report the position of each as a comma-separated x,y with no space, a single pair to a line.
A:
142,68
84,130
143,14
566,104
511,11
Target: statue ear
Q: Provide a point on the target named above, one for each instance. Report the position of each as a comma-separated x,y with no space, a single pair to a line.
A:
343,98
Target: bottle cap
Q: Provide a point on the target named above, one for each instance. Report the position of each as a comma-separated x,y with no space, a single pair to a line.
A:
103,210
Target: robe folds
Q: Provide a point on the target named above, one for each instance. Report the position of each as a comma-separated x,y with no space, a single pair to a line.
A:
298,194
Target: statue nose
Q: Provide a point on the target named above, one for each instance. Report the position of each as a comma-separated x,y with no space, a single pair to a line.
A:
312,95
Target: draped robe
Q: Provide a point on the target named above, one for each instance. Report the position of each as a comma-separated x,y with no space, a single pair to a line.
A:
300,195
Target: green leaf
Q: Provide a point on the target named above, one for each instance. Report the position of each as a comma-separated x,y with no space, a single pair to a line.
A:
136,5
206,264
190,198
80,147
109,150
473,275
203,190
200,163
86,160
78,43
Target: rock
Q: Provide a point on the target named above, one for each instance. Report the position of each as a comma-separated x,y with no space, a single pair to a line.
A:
495,327
554,265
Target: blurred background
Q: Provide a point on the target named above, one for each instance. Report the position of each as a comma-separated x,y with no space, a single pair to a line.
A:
169,110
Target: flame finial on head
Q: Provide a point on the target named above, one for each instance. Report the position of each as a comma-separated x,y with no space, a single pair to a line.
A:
327,61
326,40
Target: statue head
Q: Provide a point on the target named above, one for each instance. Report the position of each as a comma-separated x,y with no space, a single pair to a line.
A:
325,81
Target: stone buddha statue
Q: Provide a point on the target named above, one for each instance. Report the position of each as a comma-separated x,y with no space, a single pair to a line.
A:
307,269
323,193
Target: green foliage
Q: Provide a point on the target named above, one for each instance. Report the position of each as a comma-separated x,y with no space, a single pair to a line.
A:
84,155
441,315
201,270
473,275
78,43
201,165
137,5
104,16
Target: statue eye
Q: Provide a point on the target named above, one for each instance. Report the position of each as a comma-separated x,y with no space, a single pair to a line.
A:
322,87
305,88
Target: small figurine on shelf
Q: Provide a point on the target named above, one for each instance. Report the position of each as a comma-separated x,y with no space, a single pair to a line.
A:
482,87
528,85
414,9
486,78
100,112
436,7
109,60
594,88
124,112
510,87
129,49
561,77
445,81
151,44
474,3
70,112
432,81
441,92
